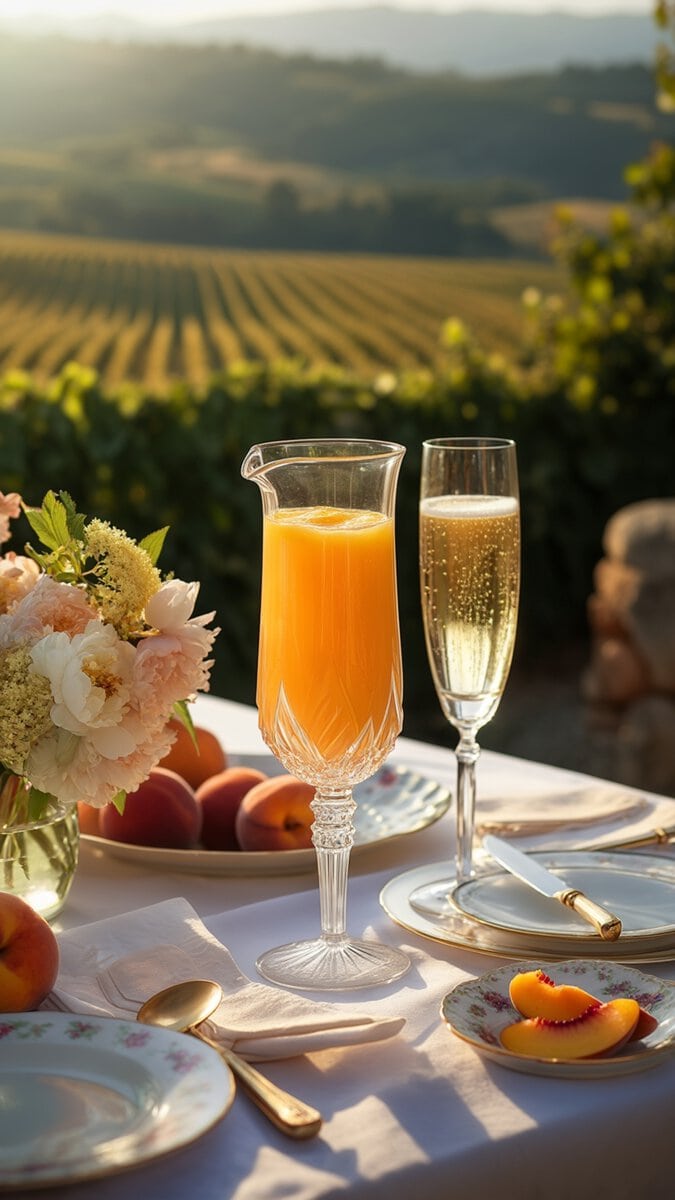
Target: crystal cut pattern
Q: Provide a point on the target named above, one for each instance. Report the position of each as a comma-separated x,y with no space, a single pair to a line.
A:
368,750
333,828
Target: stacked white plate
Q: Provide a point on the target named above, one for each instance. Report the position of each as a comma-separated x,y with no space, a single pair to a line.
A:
498,914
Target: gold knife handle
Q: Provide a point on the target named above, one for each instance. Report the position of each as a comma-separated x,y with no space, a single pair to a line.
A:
606,924
658,837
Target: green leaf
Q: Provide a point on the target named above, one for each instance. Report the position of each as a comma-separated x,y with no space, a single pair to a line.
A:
153,542
75,520
37,803
43,560
183,714
120,801
50,522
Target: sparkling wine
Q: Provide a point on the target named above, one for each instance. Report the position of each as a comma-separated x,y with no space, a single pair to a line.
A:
470,571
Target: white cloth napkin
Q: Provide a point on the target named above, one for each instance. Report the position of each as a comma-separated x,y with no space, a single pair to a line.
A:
108,968
539,813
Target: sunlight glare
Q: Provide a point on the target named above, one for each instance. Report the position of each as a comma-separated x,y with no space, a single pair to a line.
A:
170,11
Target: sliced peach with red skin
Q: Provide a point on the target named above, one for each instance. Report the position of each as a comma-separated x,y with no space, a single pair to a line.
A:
646,1024
534,994
602,1029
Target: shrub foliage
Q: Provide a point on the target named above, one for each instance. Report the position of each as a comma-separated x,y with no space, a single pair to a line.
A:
144,461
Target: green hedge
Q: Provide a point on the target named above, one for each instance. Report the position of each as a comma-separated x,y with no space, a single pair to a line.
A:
143,461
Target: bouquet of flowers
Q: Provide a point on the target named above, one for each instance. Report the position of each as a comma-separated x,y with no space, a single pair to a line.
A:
97,652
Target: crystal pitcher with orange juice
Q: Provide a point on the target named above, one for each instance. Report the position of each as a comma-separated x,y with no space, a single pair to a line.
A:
329,690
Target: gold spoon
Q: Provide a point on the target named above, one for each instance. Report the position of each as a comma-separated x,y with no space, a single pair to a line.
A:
182,1007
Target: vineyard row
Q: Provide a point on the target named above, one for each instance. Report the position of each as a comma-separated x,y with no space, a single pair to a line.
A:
152,314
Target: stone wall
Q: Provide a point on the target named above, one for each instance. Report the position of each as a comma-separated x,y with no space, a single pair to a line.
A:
629,684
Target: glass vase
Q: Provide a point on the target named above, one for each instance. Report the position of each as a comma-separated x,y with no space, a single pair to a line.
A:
37,857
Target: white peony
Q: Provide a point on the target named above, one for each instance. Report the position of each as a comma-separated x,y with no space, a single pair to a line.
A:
172,605
90,676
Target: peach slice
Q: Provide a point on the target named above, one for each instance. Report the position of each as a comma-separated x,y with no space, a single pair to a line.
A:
601,1029
534,994
646,1024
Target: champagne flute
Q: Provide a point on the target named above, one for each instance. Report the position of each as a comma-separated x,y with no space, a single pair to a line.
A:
329,667
470,582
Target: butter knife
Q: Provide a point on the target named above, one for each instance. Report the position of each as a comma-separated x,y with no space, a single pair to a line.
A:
535,876
655,837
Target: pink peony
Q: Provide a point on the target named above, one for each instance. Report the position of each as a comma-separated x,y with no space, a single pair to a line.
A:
169,668
127,773
49,607
10,506
172,664
104,688
18,576
70,767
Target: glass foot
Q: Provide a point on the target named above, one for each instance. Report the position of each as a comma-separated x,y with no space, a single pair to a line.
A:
337,965
434,899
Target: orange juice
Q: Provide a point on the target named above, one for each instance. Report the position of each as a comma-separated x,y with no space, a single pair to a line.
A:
329,668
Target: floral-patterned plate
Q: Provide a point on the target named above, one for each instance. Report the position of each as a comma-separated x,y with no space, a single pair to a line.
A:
84,1097
478,1009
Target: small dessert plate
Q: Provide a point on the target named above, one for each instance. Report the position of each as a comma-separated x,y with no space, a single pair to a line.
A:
479,1009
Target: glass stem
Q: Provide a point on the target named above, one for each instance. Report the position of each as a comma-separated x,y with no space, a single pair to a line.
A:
467,753
333,838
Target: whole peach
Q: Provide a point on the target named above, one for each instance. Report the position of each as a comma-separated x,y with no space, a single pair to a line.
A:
194,763
88,818
276,815
29,955
163,811
219,798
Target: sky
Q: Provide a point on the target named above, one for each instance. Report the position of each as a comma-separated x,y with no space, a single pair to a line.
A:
177,11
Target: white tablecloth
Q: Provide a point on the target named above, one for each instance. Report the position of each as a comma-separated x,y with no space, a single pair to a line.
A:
423,1114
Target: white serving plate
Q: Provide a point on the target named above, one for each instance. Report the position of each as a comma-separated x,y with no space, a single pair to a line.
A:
393,803
84,1097
478,1009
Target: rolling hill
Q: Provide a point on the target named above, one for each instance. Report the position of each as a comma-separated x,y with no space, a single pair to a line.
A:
222,146
475,43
